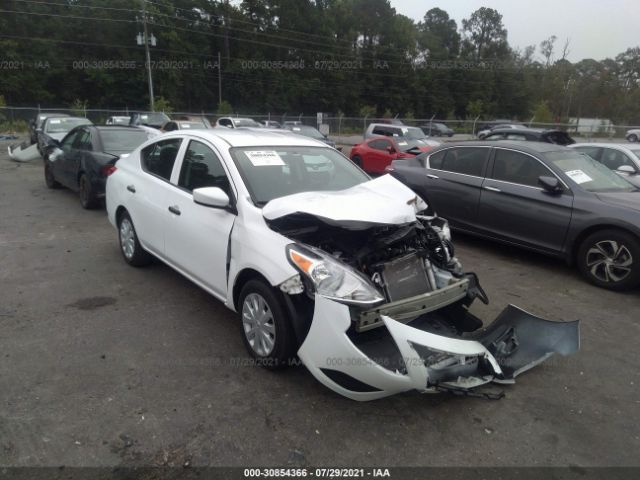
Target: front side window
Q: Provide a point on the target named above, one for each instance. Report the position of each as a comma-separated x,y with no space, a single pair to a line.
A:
159,158
467,160
435,160
614,159
201,167
83,140
380,144
516,167
67,143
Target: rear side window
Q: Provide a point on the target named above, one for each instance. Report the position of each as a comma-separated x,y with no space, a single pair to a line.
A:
468,161
435,160
201,167
516,167
158,158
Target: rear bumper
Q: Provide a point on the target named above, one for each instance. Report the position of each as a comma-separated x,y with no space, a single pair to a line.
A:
408,357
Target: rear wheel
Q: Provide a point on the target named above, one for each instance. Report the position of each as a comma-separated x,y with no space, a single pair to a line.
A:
49,179
610,259
130,247
267,331
633,137
88,198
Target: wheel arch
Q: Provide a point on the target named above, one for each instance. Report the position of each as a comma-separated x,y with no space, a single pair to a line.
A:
241,280
581,237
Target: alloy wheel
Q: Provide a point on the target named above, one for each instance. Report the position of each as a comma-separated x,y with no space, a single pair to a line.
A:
609,261
258,324
127,238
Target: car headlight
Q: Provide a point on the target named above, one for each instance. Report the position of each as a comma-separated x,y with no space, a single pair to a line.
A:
331,278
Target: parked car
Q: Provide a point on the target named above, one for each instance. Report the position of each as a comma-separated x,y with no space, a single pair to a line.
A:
338,269
386,130
376,154
539,196
291,123
311,132
558,137
271,124
237,122
118,120
483,133
437,129
36,123
86,156
56,128
633,135
182,125
488,125
194,118
624,159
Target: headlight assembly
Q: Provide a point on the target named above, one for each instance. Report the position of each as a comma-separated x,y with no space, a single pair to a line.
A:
331,278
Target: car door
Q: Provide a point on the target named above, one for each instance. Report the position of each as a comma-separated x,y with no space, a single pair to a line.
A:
451,183
378,156
59,158
513,207
147,192
197,236
82,152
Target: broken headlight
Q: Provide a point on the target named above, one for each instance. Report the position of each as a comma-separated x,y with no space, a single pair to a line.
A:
331,278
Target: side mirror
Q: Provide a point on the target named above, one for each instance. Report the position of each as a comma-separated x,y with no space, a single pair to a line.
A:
391,150
626,169
211,197
550,184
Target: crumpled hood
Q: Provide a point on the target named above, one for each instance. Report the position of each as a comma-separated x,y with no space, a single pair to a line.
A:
629,200
381,201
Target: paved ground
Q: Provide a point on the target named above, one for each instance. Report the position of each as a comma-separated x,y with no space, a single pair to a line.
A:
103,364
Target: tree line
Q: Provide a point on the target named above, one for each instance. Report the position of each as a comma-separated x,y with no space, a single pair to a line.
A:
353,57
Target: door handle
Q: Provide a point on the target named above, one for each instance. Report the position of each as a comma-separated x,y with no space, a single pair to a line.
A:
131,188
492,189
174,209
435,177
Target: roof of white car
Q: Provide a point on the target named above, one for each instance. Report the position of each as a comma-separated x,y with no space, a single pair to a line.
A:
255,137
624,146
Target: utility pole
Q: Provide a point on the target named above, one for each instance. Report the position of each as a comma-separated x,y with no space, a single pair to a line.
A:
144,38
219,81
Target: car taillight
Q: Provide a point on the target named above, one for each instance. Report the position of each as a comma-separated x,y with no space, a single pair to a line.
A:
107,170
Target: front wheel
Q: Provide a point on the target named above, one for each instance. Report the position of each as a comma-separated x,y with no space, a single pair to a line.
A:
633,138
610,259
267,331
49,178
130,247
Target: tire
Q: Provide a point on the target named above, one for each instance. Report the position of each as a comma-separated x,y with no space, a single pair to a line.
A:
87,196
610,259
262,307
49,179
357,160
632,138
130,247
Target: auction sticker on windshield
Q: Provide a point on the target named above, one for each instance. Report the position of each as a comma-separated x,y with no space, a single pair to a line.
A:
264,158
579,176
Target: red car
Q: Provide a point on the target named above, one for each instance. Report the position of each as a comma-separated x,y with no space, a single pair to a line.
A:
376,153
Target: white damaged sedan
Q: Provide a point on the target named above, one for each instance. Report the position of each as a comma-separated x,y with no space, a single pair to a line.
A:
346,273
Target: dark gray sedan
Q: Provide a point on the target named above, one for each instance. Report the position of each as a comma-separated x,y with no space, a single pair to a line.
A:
540,196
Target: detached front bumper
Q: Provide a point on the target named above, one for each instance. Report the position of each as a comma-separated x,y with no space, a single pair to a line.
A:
403,357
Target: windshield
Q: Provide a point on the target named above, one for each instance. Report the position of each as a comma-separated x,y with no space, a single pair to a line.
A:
272,172
405,144
122,141
120,120
246,122
191,125
63,125
636,153
308,132
412,133
589,173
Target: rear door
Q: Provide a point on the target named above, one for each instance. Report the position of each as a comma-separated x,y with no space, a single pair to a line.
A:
148,192
451,183
514,208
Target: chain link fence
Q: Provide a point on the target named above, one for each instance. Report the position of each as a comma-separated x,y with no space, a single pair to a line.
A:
16,120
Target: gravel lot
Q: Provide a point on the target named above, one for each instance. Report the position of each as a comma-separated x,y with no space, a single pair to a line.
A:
102,364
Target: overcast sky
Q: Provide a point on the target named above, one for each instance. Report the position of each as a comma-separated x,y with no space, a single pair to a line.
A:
597,29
